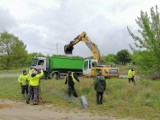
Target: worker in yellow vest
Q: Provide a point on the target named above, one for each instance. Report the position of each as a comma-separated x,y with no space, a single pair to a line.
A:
131,74
34,80
22,79
70,80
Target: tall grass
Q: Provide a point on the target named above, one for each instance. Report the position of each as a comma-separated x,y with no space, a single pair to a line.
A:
121,99
15,70
9,88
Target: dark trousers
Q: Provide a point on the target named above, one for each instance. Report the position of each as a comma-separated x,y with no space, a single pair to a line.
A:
71,90
38,95
24,89
99,97
131,80
33,92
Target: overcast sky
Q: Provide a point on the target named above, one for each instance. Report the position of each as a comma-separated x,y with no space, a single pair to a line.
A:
47,25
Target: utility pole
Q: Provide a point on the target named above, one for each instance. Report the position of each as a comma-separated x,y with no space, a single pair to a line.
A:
57,48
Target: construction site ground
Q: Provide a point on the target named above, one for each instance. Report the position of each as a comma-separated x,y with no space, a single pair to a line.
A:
18,110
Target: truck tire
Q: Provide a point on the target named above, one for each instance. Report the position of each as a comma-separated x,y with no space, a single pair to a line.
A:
51,75
56,76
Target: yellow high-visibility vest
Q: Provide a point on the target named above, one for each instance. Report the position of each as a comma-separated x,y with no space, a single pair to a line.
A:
74,80
23,79
131,73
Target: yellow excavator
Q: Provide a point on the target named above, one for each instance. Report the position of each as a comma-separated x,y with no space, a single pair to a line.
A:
92,66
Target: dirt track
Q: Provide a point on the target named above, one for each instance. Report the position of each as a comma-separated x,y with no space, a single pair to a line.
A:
12,110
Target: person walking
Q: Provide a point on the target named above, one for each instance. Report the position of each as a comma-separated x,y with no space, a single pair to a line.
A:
100,86
34,80
131,74
23,80
70,80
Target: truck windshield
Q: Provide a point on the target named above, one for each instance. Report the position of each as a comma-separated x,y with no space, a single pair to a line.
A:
34,62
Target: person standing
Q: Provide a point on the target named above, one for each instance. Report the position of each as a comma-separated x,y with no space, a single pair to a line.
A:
99,86
23,80
34,80
70,80
131,74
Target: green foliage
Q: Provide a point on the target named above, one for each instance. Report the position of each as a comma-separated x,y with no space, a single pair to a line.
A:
123,57
148,41
31,56
67,56
12,51
109,59
146,60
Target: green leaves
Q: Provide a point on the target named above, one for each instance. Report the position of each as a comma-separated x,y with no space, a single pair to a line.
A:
123,56
12,51
147,44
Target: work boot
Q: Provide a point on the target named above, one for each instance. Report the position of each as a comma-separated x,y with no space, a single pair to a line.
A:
27,102
35,103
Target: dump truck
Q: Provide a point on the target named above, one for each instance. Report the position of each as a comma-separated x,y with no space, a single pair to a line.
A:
92,66
57,66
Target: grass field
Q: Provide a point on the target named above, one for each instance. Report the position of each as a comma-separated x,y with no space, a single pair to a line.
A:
18,70
121,99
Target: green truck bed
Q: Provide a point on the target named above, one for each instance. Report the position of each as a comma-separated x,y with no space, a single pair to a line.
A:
68,63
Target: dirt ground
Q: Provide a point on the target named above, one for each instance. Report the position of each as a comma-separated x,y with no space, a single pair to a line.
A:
15,110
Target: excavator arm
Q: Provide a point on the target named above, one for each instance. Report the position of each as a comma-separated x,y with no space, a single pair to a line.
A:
83,37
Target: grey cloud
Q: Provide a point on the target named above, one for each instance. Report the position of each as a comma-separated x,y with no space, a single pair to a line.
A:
7,21
62,24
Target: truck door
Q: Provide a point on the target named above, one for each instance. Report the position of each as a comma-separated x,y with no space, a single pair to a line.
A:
41,64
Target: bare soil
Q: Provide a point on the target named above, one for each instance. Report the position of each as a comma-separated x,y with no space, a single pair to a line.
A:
16,110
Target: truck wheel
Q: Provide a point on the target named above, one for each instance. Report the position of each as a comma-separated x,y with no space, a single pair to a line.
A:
56,76
51,75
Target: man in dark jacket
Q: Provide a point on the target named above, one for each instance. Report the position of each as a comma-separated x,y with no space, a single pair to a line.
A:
71,79
100,86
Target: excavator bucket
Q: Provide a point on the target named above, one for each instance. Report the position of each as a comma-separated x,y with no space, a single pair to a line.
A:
68,48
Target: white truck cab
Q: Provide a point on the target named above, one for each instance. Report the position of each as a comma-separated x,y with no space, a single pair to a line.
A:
39,63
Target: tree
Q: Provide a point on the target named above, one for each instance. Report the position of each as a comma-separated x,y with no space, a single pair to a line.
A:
123,57
31,56
109,59
147,43
12,51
